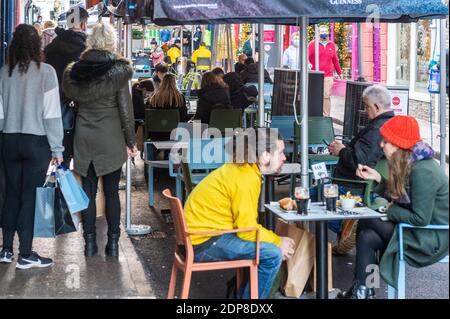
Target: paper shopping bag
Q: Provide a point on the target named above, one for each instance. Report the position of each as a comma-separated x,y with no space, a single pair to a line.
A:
44,218
299,266
100,196
76,198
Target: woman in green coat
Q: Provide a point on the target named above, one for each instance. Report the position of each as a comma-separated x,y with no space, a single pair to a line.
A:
104,131
418,193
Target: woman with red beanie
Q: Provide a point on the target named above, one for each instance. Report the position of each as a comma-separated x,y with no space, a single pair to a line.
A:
417,190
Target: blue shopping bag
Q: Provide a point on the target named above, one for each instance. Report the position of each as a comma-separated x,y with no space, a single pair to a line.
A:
75,197
44,218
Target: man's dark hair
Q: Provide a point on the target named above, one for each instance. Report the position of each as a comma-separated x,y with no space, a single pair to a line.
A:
161,68
84,15
218,71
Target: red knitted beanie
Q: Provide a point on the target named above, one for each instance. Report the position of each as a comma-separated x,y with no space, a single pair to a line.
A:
402,131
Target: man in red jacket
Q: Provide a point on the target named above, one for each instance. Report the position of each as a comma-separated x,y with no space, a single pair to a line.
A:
328,61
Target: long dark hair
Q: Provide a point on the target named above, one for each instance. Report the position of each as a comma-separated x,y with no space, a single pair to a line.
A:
25,47
399,173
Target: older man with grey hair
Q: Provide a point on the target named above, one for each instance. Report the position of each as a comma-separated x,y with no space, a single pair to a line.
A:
364,148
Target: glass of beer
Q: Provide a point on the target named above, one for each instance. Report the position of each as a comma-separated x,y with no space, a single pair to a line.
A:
330,192
302,199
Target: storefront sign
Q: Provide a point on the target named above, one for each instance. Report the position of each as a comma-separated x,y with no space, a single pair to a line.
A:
399,101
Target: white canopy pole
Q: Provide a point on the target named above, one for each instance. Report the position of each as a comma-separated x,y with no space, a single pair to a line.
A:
316,51
304,99
442,98
261,76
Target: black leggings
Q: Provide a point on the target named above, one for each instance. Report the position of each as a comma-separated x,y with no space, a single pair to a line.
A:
26,158
372,235
112,201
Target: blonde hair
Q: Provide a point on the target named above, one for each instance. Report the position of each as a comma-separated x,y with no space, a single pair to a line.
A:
49,24
167,95
103,37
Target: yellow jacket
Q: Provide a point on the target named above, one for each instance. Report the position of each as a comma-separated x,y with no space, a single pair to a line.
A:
201,52
174,53
227,199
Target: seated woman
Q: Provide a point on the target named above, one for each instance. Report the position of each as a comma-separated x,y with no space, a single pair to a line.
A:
418,191
141,91
241,96
169,97
212,95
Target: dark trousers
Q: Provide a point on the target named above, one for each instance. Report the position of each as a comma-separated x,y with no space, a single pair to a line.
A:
372,235
2,181
26,159
112,201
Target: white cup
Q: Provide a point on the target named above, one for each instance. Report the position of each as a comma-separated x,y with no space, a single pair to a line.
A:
348,203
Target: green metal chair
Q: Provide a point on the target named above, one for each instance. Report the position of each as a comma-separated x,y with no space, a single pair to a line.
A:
225,118
382,168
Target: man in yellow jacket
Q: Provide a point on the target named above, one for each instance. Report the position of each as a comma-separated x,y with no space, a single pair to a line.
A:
228,199
174,51
201,52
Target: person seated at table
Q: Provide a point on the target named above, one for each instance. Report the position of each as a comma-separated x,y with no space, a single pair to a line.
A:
228,199
141,91
212,95
418,193
240,64
241,96
250,73
161,70
169,97
364,148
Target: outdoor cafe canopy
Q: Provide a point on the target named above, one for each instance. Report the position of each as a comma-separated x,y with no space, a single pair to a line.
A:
175,12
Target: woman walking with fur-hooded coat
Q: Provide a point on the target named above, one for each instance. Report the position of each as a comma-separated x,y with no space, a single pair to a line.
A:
104,131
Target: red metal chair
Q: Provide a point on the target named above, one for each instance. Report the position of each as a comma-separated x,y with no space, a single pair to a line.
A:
185,262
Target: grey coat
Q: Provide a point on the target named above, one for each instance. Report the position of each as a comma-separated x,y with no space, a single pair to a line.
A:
105,120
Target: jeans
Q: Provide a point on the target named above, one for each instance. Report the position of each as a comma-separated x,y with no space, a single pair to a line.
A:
335,225
231,247
26,158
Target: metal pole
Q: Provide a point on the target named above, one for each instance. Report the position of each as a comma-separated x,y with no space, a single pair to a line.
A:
322,260
261,76
131,229
316,50
442,98
304,100
360,55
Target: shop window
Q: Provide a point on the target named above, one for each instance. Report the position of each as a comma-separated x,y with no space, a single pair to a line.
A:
403,53
423,54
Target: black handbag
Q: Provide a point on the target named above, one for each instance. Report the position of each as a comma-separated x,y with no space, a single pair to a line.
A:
63,219
68,115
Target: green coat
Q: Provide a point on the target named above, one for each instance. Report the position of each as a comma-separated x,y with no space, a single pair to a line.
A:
428,191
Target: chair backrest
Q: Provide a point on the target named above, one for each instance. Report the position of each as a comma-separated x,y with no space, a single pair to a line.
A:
161,121
225,118
319,129
189,127
206,154
382,167
179,221
284,124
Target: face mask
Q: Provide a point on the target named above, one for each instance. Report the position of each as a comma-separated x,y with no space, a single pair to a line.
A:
323,36
296,43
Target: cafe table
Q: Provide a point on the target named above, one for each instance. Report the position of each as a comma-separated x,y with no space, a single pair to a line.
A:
317,213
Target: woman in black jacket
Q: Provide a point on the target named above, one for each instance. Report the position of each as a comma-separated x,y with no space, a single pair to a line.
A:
250,73
241,96
104,132
213,95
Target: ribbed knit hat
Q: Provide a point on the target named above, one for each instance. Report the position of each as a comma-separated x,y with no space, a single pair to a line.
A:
402,131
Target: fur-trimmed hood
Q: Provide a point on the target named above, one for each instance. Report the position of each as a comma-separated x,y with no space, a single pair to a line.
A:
102,74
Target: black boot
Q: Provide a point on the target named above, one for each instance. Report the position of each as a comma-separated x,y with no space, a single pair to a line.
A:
112,247
90,249
357,292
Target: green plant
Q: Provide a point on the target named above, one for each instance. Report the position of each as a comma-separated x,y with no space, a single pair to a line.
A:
137,34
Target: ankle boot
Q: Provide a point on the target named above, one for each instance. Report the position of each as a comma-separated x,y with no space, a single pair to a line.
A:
357,292
112,247
90,249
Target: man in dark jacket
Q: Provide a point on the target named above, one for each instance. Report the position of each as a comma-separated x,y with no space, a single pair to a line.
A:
365,146
64,49
251,73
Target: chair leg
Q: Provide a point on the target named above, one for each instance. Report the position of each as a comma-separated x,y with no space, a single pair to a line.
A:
391,292
178,189
239,278
150,186
173,282
186,283
254,282
401,280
